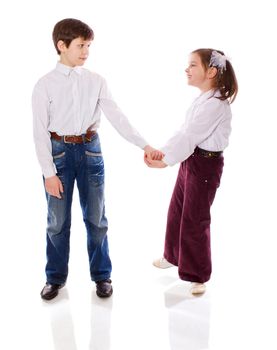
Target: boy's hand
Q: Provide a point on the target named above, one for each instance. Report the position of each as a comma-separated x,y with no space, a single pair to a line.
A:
148,149
156,155
152,153
53,186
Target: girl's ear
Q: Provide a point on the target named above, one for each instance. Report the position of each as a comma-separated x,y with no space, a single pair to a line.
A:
61,46
212,71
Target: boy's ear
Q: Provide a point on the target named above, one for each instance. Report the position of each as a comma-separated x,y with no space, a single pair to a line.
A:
61,46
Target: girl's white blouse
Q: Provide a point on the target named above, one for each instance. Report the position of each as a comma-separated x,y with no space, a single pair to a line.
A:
207,125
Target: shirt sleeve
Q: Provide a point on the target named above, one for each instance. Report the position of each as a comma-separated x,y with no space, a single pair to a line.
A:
40,105
118,120
201,124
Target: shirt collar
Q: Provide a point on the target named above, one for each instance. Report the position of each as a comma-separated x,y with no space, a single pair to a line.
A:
66,70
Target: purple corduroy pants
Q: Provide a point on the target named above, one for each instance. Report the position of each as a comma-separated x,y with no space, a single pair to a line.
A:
187,240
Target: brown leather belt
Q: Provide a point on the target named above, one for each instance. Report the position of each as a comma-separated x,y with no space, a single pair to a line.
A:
73,138
207,154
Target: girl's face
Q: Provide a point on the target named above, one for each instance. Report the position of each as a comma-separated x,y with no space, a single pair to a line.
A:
197,75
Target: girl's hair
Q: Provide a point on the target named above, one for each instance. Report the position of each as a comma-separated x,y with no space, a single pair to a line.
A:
69,29
225,80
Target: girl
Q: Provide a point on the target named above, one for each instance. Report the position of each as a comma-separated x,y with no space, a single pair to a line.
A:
198,146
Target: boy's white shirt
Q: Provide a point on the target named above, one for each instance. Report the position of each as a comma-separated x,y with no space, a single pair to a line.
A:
207,125
68,101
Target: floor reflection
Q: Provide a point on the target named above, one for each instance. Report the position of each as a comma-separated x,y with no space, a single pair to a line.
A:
100,338
188,318
61,322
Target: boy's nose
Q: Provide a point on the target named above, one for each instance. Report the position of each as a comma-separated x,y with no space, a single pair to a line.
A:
85,50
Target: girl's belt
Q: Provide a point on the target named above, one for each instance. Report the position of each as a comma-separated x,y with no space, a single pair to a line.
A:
207,154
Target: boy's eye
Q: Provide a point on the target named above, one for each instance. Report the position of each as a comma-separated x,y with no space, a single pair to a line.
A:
83,45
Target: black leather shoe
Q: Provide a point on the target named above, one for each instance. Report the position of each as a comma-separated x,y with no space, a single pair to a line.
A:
104,288
50,291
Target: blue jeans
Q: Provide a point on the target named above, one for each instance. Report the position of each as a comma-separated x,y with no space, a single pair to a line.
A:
83,163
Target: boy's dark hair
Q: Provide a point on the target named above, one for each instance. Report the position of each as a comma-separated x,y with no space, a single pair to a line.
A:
225,81
69,29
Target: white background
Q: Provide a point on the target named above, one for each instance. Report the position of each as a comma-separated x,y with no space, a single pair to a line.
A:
141,48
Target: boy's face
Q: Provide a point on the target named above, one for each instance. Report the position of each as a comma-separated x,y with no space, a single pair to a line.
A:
76,53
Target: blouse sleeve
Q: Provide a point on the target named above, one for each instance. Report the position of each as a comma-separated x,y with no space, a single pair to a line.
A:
202,121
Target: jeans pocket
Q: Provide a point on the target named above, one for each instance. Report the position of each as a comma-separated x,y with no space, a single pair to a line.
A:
59,161
58,156
93,154
95,168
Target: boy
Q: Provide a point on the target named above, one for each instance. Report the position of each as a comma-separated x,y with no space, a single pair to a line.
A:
66,109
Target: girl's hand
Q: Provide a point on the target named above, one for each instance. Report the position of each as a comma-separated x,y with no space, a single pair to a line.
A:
155,163
152,155
156,155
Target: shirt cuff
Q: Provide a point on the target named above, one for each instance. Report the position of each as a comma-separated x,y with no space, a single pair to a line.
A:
169,160
142,144
49,172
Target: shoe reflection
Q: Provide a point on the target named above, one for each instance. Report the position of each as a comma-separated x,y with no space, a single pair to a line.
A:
100,323
61,322
62,325
188,318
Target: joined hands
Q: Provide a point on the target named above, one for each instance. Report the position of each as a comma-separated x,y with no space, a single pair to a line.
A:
153,157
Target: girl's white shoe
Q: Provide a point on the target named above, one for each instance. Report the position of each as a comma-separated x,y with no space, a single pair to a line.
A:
162,263
197,288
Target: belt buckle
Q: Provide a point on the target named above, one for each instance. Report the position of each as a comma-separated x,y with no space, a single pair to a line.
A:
64,139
